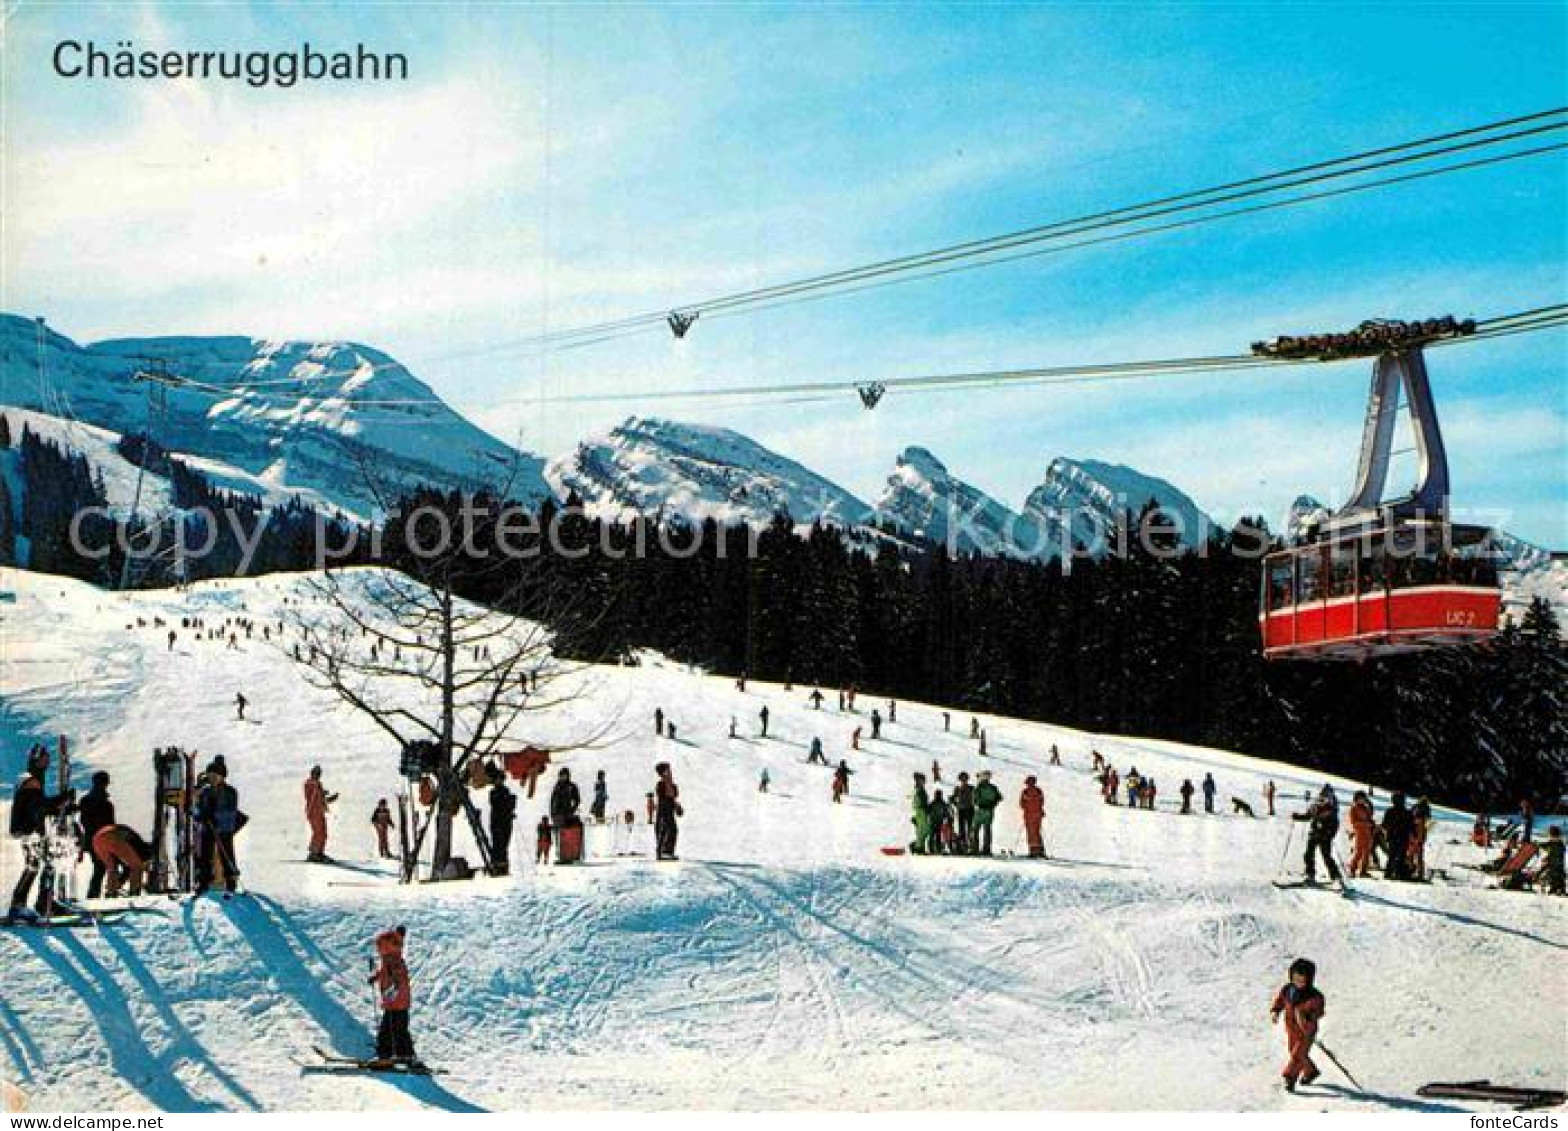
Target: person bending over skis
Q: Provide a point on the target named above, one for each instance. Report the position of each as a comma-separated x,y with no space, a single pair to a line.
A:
1301,1004
390,977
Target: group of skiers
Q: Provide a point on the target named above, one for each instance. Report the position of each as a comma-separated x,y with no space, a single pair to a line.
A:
48,825
961,825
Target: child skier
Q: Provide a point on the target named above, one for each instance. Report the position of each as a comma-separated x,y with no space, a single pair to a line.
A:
381,821
542,849
1302,1006
390,977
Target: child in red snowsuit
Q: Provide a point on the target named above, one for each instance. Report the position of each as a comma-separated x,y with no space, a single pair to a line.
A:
542,849
390,977
1302,1006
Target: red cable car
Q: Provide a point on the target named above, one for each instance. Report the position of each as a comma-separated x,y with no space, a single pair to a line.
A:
1378,578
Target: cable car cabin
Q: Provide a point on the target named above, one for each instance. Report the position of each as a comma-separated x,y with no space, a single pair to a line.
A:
1397,589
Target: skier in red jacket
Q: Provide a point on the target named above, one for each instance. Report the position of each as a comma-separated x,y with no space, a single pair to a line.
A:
1302,1006
390,978
1032,802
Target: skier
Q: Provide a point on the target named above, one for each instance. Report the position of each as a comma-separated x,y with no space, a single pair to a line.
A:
963,805
172,638
763,715
503,815
565,798
815,757
941,820
816,699
854,739
841,699
1056,755
1268,796
240,703
1032,802
936,770
733,725
1420,822
601,798
987,798
1526,821
974,727
762,782
892,710
1099,761
1397,827
317,802
669,729
1323,815
1112,779
93,812
841,781
1186,792
1363,835
1550,876
920,816
667,793
123,856
947,722
542,843
1240,808
1133,782
658,721
31,809
650,805
982,744
1302,1005
218,818
390,977
1209,789
381,821
876,723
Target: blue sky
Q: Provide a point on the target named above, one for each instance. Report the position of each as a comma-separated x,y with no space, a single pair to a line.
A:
550,166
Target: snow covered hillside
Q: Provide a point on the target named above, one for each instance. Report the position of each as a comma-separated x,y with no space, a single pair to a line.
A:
299,417
784,962
645,466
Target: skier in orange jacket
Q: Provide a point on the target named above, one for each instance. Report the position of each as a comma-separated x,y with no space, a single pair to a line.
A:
1302,1006
390,977
317,801
1032,802
1363,835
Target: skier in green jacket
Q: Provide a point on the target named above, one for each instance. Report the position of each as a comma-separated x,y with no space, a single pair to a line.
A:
920,814
987,798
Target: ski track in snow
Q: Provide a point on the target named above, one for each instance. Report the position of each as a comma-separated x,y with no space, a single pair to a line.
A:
782,963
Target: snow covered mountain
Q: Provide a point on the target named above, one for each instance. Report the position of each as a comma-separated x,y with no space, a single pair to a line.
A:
924,498
1080,500
298,416
646,466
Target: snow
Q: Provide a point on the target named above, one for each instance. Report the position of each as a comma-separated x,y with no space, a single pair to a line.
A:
784,963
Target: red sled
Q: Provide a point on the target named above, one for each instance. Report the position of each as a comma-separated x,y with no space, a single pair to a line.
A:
893,850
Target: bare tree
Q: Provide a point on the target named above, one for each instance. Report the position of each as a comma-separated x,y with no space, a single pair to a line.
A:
405,648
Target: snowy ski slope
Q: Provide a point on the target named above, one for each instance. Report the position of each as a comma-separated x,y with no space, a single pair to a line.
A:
783,963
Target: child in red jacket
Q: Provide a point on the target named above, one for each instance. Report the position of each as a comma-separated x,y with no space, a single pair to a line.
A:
390,977
1302,1006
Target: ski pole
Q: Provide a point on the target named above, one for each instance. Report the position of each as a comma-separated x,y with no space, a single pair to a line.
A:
1290,835
1328,1052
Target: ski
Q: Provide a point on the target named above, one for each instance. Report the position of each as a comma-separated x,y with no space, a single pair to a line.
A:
1523,1098
334,1062
65,922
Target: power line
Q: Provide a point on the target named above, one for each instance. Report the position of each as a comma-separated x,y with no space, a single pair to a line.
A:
1527,321
1333,168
